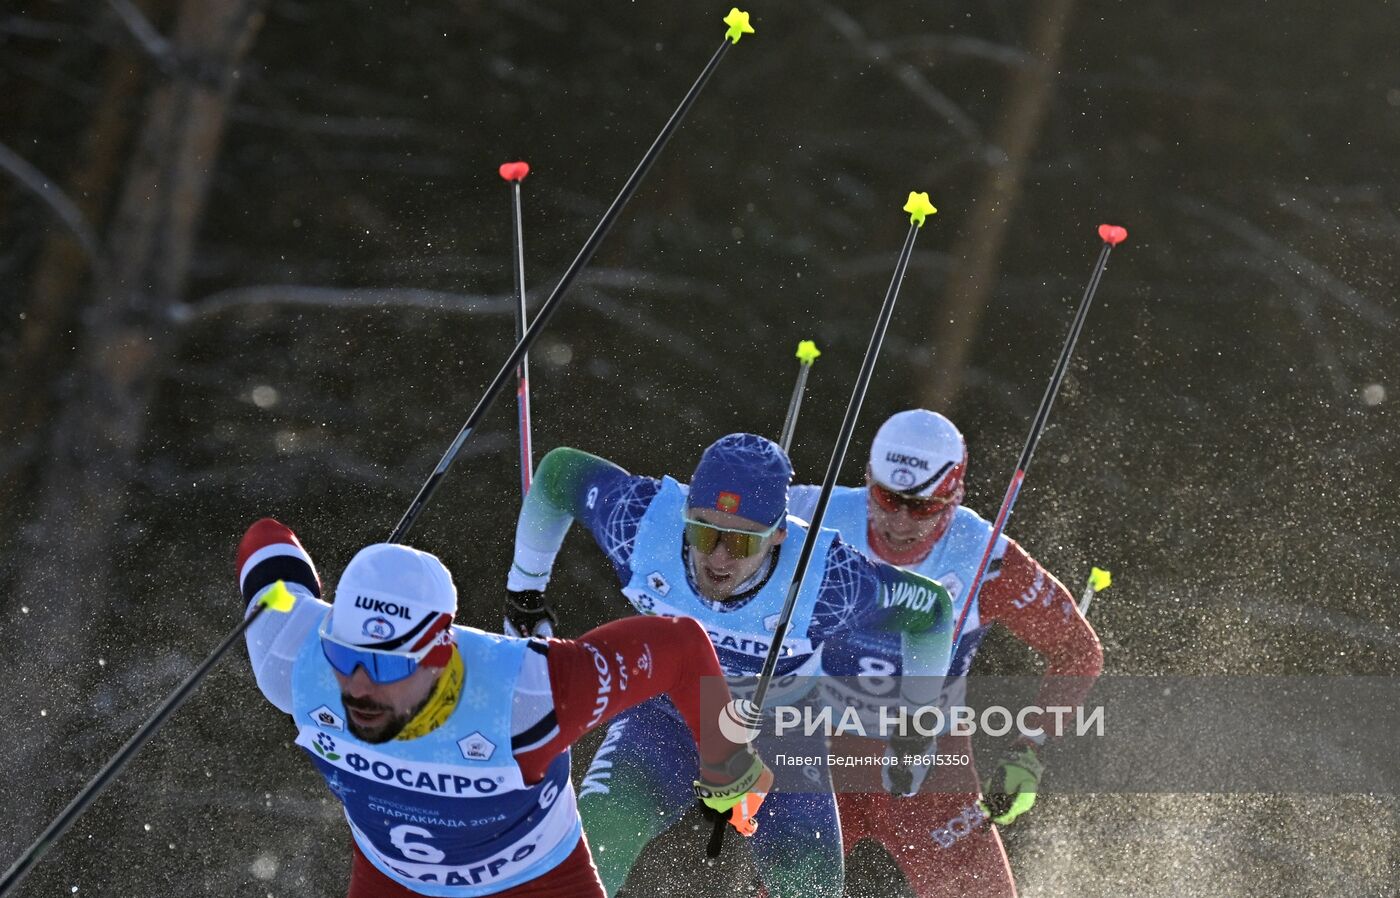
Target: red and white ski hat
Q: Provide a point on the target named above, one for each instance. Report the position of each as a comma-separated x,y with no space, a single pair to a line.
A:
393,598
919,453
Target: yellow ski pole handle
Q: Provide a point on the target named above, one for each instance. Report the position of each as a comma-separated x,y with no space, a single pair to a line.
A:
807,353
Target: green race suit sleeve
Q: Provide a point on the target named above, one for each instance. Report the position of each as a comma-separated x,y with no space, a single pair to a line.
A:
567,487
922,611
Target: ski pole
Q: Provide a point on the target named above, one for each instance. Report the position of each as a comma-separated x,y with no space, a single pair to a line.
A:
918,208
738,23
807,353
1099,580
1112,235
514,173
278,598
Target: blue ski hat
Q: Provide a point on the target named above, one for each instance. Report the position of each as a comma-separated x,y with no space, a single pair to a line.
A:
743,474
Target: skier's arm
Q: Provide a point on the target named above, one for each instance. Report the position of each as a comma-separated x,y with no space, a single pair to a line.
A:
569,485
1042,613
607,670
874,596
270,552
921,610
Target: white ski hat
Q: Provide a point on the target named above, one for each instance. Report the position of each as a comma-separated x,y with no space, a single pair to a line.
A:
392,598
919,453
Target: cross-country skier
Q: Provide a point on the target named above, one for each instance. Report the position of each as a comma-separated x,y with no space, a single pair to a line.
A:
448,746
909,513
723,551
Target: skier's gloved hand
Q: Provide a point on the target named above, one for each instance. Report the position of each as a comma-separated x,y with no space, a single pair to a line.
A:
909,764
735,791
1010,790
527,613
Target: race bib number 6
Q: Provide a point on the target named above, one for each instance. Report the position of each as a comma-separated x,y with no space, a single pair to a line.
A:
415,851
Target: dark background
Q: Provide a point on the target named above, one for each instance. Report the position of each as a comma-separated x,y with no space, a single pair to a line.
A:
289,306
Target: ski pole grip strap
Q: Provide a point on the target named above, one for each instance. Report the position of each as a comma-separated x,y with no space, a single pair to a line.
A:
723,797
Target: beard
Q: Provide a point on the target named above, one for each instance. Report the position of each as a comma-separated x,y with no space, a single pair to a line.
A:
387,727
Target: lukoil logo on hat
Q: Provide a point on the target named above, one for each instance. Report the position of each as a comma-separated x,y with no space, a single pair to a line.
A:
919,453
392,597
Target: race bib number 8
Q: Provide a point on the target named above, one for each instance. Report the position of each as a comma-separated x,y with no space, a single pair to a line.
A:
875,675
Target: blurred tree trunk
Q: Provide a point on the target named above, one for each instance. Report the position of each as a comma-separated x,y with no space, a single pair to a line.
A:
77,527
979,246
62,272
